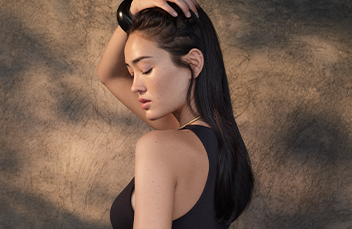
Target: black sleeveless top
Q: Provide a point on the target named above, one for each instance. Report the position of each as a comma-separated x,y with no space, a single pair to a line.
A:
201,215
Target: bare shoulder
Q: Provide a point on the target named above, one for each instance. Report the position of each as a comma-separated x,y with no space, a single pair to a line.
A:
170,168
165,141
170,147
162,136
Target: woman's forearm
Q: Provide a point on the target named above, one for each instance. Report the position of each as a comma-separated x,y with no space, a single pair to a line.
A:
113,73
112,64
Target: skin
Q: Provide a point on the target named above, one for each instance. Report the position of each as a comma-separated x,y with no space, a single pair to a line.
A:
171,166
115,76
157,80
171,169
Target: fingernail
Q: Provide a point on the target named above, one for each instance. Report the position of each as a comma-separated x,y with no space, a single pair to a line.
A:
188,14
196,14
174,13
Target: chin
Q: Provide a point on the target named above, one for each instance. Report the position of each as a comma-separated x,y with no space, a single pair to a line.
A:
154,117
151,117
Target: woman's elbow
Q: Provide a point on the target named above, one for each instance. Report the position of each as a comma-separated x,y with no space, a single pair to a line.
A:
102,75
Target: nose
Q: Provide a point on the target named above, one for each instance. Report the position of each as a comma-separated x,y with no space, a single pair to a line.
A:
137,86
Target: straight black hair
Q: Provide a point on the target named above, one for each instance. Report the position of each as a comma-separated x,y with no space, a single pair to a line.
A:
178,35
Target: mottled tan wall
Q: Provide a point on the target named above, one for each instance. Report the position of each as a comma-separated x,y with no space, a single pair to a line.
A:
66,144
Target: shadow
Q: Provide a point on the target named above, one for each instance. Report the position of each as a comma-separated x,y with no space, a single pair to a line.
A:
274,23
66,80
303,173
47,97
8,160
315,149
299,101
21,209
23,49
305,152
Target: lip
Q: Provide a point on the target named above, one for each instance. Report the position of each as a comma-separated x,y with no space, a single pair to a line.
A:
142,100
145,103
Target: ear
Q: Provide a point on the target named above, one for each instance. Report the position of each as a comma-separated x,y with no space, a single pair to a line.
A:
195,59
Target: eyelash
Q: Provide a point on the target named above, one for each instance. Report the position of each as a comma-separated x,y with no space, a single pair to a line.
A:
143,73
147,72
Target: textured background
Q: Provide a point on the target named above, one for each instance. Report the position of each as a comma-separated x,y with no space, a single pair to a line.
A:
66,144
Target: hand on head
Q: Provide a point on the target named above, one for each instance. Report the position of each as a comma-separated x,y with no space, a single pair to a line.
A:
185,5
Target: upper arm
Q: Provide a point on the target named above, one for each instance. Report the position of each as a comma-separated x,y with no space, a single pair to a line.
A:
155,182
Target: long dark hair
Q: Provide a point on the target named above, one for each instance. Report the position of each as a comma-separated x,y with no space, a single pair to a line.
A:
234,182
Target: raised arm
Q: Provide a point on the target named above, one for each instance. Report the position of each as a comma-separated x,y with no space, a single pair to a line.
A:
113,73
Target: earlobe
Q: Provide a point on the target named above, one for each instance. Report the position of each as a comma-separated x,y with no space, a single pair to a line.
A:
195,59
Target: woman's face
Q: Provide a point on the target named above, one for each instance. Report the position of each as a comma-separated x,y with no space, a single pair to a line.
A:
162,87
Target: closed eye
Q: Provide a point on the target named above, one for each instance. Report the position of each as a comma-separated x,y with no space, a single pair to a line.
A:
147,72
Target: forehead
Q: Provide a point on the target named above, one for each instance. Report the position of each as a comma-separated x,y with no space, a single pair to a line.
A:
137,46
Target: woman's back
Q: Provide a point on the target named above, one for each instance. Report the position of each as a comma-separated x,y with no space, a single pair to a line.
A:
194,192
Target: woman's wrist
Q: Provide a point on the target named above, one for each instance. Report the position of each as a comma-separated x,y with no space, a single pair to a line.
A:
132,11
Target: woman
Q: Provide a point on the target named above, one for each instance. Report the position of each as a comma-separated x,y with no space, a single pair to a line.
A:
168,69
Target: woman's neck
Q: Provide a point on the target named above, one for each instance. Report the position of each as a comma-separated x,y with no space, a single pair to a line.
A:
186,116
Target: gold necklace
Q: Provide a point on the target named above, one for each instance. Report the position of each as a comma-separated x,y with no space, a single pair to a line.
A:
190,122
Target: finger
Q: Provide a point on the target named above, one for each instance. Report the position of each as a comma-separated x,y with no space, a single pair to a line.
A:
195,3
168,9
184,7
193,6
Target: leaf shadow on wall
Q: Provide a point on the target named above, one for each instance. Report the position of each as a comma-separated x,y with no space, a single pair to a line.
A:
42,106
303,170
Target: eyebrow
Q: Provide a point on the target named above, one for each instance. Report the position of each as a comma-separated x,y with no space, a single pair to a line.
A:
135,61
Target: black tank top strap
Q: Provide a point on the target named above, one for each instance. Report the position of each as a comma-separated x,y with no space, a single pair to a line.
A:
202,215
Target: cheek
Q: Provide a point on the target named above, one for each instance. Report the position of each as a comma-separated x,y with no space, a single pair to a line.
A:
170,82
164,82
